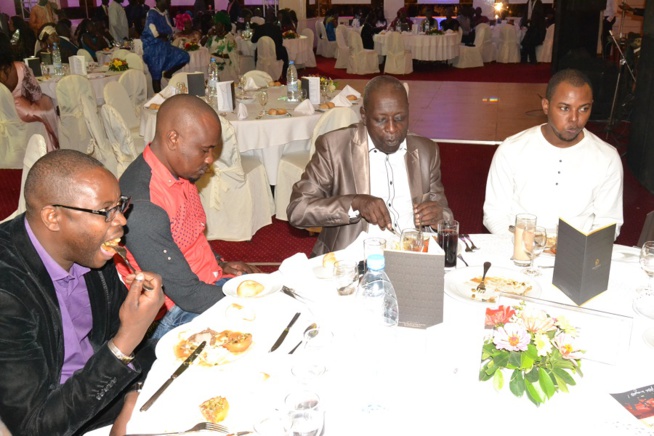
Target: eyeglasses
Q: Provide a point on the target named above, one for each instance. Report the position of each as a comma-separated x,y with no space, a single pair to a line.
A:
109,214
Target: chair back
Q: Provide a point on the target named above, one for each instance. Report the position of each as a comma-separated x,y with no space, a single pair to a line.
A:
355,42
261,78
507,33
179,77
395,43
341,37
138,46
321,32
100,147
71,90
116,95
119,137
267,58
135,84
135,62
266,48
121,53
86,54
14,132
309,34
333,119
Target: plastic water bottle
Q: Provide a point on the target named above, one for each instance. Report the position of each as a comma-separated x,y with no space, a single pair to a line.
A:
212,84
56,60
292,86
376,294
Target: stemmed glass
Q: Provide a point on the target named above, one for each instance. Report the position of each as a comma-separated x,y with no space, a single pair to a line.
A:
534,240
263,100
644,302
312,356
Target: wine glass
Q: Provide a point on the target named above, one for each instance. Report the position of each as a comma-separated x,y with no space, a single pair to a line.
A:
262,97
644,302
534,240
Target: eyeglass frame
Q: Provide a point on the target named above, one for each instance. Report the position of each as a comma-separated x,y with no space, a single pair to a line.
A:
109,214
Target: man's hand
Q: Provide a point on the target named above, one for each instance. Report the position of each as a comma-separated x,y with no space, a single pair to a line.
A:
239,268
138,310
373,210
428,213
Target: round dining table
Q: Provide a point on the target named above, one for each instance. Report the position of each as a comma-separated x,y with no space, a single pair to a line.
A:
98,78
443,47
297,48
423,381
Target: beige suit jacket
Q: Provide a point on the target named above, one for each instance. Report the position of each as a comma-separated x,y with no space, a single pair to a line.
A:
339,170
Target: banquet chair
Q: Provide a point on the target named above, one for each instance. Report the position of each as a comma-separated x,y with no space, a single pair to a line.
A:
116,95
138,46
100,147
399,60
121,53
342,48
325,47
35,149
14,132
544,51
470,56
135,62
311,62
120,137
235,194
267,58
134,82
291,165
261,78
73,133
508,50
86,54
360,60
647,232
488,49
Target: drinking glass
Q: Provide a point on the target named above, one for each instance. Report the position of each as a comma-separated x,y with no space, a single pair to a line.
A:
324,91
534,240
644,302
448,239
522,221
305,415
412,240
345,276
373,246
263,99
311,359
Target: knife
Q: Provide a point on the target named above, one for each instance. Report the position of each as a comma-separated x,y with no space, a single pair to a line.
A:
175,374
281,338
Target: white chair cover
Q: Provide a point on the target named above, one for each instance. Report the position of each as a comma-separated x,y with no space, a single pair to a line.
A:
508,50
488,49
399,60
121,53
73,133
261,78
342,50
134,83
267,58
100,146
292,165
119,137
470,57
86,54
544,51
179,77
236,195
14,132
325,47
360,60
116,95
138,46
311,61
36,148
135,62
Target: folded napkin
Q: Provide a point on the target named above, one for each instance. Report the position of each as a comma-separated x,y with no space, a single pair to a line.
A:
304,108
250,85
168,91
157,99
348,90
298,274
341,101
242,111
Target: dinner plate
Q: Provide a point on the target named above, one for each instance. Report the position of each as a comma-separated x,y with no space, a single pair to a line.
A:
271,282
459,284
623,253
210,356
287,114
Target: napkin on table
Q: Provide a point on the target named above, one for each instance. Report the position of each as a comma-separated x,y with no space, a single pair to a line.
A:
348,90
341,101
250,85
168,91
304,108
242,111
297,273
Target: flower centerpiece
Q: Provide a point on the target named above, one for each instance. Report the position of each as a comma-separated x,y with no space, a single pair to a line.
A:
191,46
289,34
539,350
118,65
434,31
328,84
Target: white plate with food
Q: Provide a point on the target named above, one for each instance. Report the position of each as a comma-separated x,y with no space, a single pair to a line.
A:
462,283
224,345
253,285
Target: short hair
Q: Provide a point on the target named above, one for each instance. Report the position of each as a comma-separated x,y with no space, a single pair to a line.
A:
379,82
574,77
51,180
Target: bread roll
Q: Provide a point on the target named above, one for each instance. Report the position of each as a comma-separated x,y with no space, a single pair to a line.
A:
328,261
249,288
331,105
281,112
352,97
272,111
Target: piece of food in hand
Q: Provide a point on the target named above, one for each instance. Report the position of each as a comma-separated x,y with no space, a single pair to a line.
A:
111,244
352,97
249,288
215,409
328,261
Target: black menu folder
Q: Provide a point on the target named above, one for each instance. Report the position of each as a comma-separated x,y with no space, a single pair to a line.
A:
583,261
35,66
195,84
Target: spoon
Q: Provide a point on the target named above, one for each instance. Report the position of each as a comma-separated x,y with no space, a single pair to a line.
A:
309,327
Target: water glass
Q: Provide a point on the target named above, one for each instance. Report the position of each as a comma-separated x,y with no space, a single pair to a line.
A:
305,415
345,276
373,246
448,239
522,221
311,358
414,240
534,240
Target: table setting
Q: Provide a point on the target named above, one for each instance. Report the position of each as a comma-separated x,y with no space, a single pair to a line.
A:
436,47
419,380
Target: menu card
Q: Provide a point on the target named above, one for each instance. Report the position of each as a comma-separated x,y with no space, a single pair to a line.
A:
77,65
195,84
226,96
639,402
583,261
418,279
35,65
312,86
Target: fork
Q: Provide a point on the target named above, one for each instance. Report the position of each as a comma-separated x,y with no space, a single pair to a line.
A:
468,249
122,252
197,427
472,244
481,287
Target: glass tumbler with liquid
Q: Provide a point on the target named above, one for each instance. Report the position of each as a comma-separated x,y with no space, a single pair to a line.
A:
448,239
522,221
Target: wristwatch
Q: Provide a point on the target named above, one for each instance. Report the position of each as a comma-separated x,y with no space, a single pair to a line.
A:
119,354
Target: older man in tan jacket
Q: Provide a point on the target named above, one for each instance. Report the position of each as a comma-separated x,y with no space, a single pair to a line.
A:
372,176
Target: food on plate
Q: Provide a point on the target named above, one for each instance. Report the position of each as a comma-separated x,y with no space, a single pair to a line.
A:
111,244
221,346
154,106
550,245
352,97
328,105
274,84
495,285
277,111
249,288
329,260
215,409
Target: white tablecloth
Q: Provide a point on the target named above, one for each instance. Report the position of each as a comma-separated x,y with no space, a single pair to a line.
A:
431,384
298,48
98,81
424,47
199,63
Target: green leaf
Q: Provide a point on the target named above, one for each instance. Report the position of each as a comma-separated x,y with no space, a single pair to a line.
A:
564,375
532,375
533,393
515,360
517,384
484,375
560,383
498,380
546,383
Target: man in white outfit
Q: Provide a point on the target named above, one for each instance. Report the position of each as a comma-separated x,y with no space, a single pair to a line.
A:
559,169
118,26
